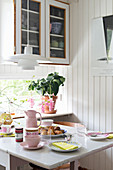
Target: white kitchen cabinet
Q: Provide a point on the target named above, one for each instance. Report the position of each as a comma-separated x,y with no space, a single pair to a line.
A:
30,26
43,24
57,31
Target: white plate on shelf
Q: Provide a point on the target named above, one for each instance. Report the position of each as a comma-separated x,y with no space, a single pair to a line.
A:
25,146
99,137
54,148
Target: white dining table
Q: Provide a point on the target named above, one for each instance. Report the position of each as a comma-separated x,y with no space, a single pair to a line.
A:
12,153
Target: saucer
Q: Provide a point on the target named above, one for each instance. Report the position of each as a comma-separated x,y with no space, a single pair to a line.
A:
25,146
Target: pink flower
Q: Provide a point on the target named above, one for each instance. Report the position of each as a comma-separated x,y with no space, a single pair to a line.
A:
31,101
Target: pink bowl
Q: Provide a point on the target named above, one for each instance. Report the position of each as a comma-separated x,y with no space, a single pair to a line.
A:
32,140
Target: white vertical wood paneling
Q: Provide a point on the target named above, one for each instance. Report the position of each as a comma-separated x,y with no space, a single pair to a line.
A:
102,119
102,104
109,7
96,104
108,117
80,63
69,90
91,15
85,60
103,8
74,48
97,8
94,95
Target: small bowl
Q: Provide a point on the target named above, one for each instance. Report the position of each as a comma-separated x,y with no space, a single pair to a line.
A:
32,140
47,122
56,27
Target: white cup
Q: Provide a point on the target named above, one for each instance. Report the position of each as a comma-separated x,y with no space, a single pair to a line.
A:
6,128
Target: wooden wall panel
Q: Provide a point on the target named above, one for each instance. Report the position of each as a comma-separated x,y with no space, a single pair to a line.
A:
80,58
85,61
109,7
94,95
103,7
74,49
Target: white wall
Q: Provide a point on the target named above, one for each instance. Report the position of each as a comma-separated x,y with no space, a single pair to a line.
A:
92,96
6,28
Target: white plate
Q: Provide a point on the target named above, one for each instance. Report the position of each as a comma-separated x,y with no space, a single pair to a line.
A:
25,146
99,137
51,146
54,136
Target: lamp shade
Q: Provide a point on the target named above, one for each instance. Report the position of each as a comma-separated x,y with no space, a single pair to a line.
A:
26,61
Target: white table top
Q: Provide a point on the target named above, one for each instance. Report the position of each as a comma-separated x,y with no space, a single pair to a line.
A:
50,159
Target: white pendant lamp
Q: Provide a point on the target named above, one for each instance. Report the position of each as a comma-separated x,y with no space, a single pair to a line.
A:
26,61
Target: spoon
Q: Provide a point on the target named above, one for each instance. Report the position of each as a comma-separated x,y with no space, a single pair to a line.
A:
93,135
68,137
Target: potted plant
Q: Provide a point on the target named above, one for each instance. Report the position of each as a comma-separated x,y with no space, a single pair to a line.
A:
48,88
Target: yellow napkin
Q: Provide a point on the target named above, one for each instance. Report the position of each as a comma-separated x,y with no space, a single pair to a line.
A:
110,136
64,145
4,135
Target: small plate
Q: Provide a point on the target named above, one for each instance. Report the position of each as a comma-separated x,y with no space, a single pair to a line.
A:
51,146
99,137
25,146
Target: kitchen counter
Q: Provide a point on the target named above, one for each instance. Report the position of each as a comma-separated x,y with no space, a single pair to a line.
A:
43,115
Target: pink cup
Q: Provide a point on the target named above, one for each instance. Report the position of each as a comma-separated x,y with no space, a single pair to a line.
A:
6,128
47,122
32,140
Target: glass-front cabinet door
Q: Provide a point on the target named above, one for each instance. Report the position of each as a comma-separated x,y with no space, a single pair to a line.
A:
30,25
57,31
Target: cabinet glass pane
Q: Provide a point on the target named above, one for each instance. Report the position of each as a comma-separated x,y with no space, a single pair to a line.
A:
56,12
57,32
24,20
34,6
33,22
24,4
57,42
35,50
24,37
30,25
57,53
34,39
22,49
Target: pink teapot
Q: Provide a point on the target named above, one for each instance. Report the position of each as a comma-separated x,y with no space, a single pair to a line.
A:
31,120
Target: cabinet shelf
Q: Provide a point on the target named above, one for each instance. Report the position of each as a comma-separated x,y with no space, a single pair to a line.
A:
30,45
27,10
54,48
30,31
52,16
56,35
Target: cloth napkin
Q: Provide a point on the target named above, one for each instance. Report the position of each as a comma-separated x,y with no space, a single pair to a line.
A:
110,136
5,135
64,145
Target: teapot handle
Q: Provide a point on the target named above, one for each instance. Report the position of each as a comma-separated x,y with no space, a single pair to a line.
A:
40,118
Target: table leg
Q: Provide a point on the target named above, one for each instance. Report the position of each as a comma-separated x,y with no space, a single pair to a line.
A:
74,165
15,162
